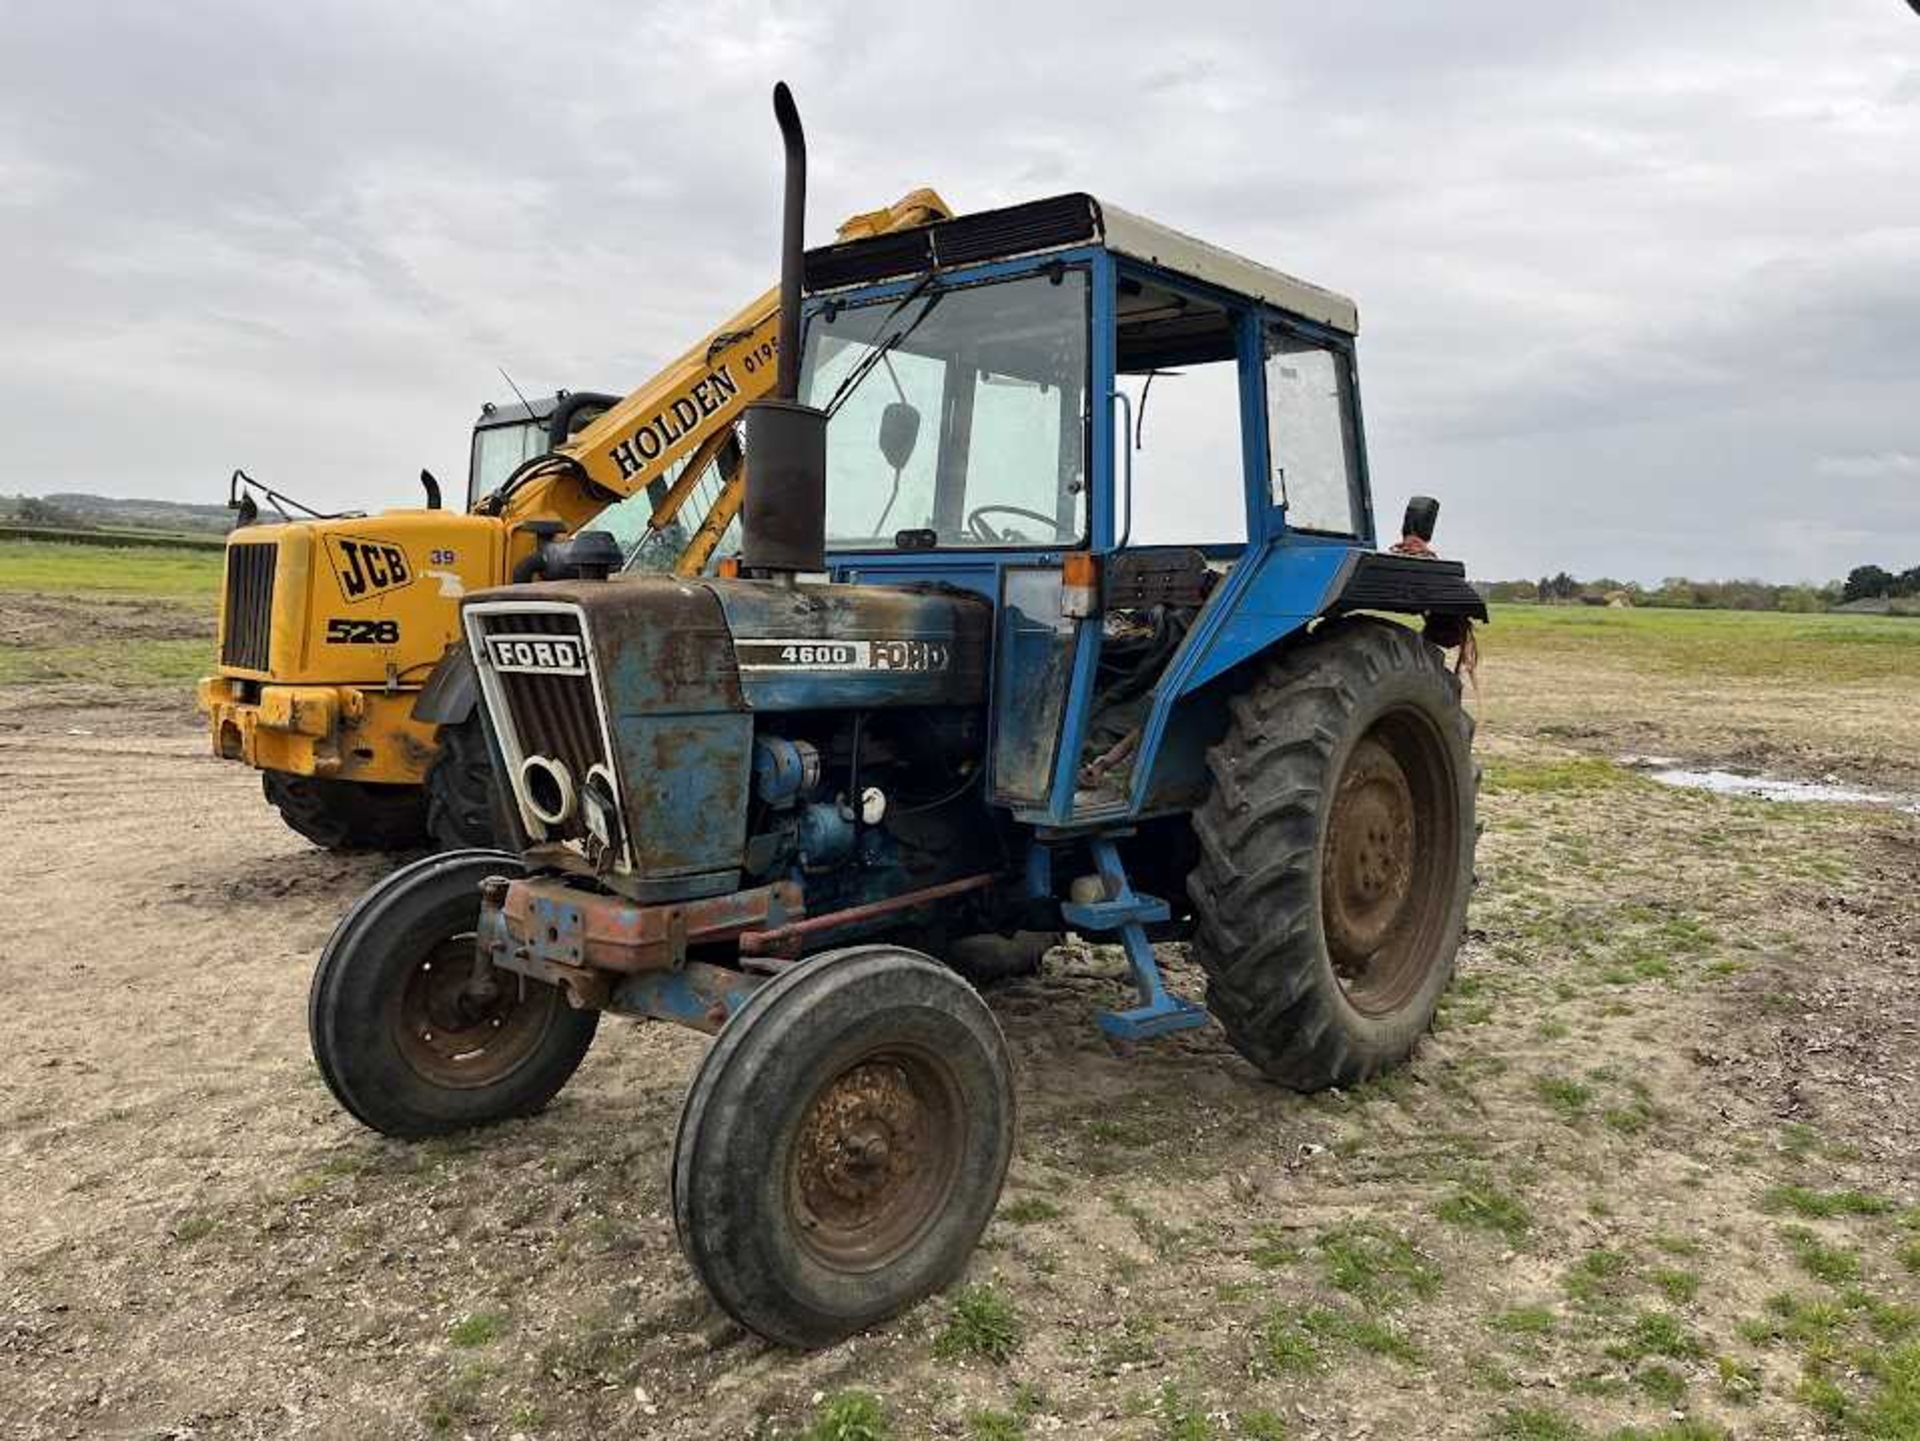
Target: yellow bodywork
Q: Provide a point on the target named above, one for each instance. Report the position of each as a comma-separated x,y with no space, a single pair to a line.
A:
359,610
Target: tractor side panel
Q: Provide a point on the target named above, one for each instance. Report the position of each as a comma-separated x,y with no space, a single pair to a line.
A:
838,647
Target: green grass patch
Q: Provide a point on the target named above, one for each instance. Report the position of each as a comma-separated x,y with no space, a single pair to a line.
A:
480,1329
1677,1285
1525,1321
1835,1265
1182,1418
850,1416
1568,1097
50,568
128,662
1483,1206
995,1426
1656,1333
1598,1275
1535,1423
1579,776
983,1323
1822,1205
1297,1341
1376,1265
1029,1210
1262,1426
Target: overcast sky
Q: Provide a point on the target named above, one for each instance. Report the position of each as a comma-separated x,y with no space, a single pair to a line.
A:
1639,283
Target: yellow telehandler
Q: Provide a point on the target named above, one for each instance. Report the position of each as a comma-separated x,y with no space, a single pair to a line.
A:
342,676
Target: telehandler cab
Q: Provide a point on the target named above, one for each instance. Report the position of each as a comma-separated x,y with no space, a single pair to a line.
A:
953,690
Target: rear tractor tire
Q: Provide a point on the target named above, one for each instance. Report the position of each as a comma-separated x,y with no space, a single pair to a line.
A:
1336,854
339,815
843,1144
402,1037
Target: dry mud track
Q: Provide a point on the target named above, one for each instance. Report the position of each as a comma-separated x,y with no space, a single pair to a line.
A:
1671,1007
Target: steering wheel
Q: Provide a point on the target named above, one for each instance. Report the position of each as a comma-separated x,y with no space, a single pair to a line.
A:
994,537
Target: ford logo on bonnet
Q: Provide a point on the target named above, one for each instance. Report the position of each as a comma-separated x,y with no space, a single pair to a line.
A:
543,655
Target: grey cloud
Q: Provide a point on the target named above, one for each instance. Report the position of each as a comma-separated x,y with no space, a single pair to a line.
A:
1636,279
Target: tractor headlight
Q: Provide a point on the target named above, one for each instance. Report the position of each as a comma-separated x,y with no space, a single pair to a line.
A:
600,808
548,786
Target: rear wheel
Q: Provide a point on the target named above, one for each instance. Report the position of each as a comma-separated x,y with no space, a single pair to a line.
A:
461,801
843,1144
405,1039
339,815
1336,855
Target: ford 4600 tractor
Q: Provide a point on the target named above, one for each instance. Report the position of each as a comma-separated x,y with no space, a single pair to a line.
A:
1058,605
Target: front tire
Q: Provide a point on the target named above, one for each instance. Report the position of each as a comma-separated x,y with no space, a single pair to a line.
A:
339,815
400,1038
1336,854
843,1144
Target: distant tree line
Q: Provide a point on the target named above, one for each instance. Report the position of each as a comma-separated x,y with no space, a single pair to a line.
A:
1866,582
1871,582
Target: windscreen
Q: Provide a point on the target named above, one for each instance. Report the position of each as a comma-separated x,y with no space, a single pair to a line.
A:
958,414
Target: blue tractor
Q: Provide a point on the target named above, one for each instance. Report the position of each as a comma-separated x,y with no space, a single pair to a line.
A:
1058,606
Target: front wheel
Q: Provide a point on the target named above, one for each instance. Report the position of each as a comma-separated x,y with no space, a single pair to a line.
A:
408,1039
843,1144
339,815
1336,854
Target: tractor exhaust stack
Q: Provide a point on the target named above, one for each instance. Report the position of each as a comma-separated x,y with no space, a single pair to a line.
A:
783,523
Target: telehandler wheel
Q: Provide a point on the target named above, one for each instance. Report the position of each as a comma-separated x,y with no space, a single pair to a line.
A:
341,815
460,791
843,1144
404,1041
1336,854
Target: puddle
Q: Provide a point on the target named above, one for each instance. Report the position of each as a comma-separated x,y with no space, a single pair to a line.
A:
1669,772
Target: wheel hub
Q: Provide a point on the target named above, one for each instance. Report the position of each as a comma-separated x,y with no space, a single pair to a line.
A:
458,1034
872,1161
1370,858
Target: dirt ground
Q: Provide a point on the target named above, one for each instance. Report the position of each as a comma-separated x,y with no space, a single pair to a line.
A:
1655,1169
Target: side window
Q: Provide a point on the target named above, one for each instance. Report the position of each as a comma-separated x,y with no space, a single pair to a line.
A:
1187,459
1311,460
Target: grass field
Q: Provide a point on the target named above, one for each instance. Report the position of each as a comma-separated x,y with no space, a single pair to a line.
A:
1702,644
51,569
114,617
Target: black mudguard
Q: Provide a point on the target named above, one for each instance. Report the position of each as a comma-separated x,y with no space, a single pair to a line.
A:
452,691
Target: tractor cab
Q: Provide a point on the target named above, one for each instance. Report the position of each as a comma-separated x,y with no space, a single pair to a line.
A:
1144,451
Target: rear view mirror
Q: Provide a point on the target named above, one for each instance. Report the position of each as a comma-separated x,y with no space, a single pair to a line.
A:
899,432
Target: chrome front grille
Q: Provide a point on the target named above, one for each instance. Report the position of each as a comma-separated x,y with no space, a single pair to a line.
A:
535,712
248,625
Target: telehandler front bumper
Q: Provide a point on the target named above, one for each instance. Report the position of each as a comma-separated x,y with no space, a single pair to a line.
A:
335,732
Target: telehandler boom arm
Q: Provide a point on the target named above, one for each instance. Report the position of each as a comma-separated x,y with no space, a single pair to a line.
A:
686,413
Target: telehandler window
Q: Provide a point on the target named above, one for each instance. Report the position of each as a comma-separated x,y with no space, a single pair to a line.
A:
956,411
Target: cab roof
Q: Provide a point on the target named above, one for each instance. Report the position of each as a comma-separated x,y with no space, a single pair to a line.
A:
1061,222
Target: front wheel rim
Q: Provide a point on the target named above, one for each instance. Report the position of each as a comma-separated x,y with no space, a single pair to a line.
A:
875,1158
454,1038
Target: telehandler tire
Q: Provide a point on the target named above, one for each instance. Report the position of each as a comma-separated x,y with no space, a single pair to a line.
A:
1336,854
341,815
461,806
843,1144
400,1039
